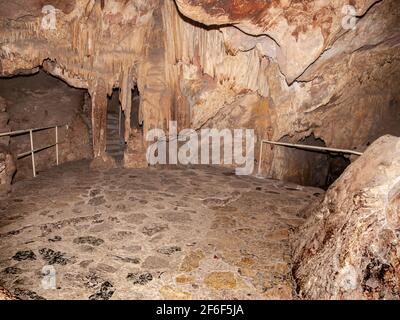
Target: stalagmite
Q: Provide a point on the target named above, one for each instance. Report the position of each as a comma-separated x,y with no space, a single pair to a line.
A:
126,100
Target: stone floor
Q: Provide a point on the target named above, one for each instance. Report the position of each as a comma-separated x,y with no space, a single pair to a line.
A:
149,234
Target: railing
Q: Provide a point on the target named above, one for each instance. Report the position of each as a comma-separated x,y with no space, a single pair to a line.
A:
33,150
305,147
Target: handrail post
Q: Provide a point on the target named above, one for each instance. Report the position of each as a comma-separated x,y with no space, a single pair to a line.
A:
260,158
32,153
120,122
57,160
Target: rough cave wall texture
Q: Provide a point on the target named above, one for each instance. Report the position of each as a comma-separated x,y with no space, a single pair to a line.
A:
294,72
288,69
349,246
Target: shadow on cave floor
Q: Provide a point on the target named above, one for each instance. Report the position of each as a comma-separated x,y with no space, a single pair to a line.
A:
150,234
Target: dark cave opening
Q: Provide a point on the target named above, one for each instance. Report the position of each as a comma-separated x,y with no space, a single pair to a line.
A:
325,167
337,164
135,117
312,167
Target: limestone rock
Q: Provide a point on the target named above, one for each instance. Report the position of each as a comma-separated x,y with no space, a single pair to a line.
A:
302,30
135,155
342,99
348,248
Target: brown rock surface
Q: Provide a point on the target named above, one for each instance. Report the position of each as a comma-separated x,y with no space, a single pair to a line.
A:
303,29
5,295
348,248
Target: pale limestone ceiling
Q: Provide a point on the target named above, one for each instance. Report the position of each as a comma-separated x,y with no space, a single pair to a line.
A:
303,29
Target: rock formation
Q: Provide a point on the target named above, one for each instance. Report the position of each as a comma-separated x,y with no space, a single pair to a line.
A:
348,248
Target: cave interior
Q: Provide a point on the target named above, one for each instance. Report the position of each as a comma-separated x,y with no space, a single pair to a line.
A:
84,85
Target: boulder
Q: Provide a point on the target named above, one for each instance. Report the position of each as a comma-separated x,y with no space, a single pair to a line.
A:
349,247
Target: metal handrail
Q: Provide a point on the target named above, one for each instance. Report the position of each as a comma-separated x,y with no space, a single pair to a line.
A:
33,150
17,132
305,147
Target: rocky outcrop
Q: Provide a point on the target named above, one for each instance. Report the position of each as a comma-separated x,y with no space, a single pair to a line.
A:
301,30
349,246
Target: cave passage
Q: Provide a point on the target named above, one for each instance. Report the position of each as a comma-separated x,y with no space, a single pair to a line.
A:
41,100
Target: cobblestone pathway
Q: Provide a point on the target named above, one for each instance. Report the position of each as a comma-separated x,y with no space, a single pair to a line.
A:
149,234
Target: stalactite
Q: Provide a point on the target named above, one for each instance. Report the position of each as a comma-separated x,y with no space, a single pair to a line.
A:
126,99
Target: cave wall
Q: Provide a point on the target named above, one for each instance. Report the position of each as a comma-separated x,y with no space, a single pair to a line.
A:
314,79
41,100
